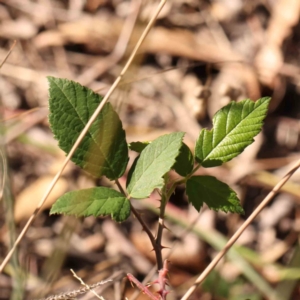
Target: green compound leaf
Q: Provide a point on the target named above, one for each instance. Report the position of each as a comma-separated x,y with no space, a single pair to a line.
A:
98,201
154,162
216,194
103,151
184,162
235,126
138,146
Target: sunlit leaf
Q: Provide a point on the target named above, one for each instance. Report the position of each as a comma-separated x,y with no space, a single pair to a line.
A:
235,126
155,161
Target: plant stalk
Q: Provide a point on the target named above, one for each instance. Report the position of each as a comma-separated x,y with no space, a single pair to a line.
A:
165,197
139,218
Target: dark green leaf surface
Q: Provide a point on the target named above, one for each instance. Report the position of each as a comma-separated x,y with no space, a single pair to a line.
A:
103,150
98,201
138,146
185,161
155,160
216,194
235,126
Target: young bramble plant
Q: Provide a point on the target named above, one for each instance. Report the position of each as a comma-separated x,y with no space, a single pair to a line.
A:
104,152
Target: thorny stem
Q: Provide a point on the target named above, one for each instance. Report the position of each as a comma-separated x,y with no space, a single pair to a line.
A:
139,218
161,225
165,197
156,242
161,280
145,227
143,288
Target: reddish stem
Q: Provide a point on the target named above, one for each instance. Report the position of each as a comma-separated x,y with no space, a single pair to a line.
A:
161,280
143,288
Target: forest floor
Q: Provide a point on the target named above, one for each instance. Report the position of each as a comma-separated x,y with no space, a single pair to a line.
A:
199,56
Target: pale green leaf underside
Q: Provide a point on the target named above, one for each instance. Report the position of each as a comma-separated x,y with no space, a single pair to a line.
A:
234,127
103,150
98,201
155,161
216,194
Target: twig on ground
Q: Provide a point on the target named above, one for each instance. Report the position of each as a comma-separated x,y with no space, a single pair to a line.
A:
36,116
119,50
75,293
142,287
146,279
88,287
8,54
161,280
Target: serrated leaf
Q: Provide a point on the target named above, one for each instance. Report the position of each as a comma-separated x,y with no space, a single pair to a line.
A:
155,160
103,151
98,201
216,194
235,126
185,161
138,146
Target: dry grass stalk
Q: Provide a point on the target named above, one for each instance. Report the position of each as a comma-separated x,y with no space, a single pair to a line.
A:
83,133
239,232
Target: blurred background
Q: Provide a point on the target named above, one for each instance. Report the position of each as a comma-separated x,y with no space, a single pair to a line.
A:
199,56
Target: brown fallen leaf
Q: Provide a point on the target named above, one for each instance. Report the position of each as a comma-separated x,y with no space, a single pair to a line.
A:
174,42
29,198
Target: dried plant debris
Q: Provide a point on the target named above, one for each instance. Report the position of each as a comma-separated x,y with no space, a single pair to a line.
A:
199,56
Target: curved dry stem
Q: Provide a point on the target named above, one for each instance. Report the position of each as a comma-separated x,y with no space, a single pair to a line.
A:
8,53
3,167
83,133
239,232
